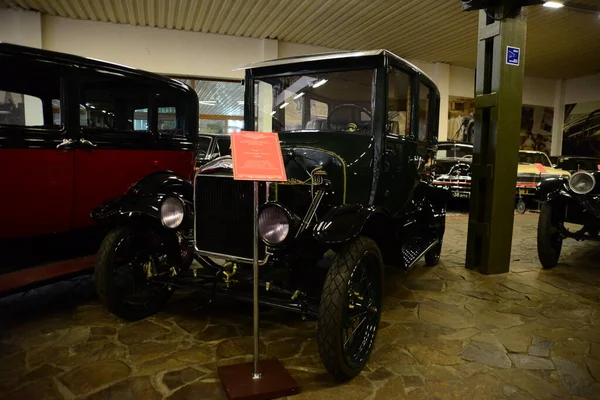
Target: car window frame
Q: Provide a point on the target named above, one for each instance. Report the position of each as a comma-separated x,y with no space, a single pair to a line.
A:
39,136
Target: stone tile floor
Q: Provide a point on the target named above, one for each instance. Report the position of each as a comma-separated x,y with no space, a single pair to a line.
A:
446,333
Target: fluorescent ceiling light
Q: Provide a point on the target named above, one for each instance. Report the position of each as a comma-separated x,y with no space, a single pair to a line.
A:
320,83
296,97
207,102
104,111
240,102
553,4
92,107
272,112
284,105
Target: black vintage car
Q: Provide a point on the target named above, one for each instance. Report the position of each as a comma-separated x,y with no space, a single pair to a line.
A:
576,163
357,130
573,200
452,168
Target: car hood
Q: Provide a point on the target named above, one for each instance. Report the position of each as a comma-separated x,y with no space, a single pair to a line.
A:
300,163
537,169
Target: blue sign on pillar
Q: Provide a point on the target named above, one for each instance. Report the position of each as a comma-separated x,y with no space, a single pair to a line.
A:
513,55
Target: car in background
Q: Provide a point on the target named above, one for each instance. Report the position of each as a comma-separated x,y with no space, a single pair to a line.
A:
574,200
533,168
74,133
211,146
451,169
576,163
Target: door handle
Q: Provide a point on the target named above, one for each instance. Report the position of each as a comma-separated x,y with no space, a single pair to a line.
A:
86,143
65,144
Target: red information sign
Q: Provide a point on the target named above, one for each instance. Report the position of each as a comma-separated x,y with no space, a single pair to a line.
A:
257,156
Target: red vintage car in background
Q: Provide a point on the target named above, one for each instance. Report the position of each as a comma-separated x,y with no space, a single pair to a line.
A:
75,132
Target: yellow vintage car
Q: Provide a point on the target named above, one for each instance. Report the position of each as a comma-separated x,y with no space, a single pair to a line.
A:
534,167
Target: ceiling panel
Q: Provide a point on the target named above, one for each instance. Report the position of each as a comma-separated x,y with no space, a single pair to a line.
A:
560,43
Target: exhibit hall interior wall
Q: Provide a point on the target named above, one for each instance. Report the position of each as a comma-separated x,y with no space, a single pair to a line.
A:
208,62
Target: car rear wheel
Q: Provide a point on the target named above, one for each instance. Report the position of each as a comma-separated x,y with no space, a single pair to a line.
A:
125,261
350,309
549,239
521,207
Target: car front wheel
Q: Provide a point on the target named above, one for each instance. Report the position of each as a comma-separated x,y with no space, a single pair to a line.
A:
549,239
127,258
350,308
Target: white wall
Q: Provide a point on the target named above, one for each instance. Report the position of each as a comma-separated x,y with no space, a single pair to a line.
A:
584,89
20,27
287,49
539,92
462,82
163,51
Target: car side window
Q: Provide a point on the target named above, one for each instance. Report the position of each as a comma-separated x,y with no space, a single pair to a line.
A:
424,112
32,102
112,102
171,114
398,107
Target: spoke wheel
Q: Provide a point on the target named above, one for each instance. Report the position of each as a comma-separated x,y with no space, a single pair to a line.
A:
126,260
521,207
350,309
549,238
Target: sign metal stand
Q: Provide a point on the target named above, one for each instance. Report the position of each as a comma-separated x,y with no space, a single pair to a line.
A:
257,157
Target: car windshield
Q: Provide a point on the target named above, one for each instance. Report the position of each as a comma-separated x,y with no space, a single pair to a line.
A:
203,145
454,151
331,101
223,146
534,158
575,164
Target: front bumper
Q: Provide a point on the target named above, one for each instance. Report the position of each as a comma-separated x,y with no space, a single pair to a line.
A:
457,189
527,188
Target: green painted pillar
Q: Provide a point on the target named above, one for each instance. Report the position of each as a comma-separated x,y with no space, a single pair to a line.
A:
499,92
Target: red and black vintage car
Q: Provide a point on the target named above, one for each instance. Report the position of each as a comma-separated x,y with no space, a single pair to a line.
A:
74,133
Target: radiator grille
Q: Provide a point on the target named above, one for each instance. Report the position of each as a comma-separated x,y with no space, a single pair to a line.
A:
224,216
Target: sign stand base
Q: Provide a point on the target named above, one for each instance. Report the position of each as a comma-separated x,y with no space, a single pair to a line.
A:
275,381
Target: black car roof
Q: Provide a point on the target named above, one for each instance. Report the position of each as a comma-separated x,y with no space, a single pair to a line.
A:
577,158
70,59
340,55
458,143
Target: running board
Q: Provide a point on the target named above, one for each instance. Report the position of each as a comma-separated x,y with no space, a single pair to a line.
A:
415,249
29,276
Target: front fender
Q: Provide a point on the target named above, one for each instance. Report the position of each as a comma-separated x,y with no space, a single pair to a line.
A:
144,197
348,221
550,188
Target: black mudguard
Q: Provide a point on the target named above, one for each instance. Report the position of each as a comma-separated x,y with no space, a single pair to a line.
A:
144,197
346,222
550,188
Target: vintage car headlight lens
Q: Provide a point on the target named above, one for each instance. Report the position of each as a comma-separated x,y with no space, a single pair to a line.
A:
273,225
171,212
582,182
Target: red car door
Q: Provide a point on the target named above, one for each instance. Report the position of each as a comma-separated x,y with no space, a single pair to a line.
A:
36,168
125,136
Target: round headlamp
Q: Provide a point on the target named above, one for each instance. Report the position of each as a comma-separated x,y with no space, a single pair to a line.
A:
171,212
273,225
582,182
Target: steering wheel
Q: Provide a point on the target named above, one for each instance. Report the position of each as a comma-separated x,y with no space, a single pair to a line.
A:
353,127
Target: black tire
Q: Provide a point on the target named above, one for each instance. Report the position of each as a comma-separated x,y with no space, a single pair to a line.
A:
549,240
521,207
122,299
360,259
